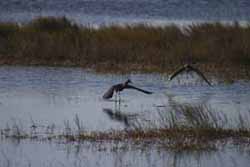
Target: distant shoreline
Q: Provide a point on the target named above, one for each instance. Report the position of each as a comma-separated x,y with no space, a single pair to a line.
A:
50,41
152,22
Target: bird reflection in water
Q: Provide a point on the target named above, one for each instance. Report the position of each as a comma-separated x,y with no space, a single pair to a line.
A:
119,116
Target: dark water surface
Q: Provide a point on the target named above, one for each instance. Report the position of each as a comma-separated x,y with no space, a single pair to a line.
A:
97,12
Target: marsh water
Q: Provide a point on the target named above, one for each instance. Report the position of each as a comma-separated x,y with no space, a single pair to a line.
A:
30,153
48,96
99,12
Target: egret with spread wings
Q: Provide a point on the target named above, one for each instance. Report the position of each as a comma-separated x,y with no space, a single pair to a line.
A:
189,68
120,87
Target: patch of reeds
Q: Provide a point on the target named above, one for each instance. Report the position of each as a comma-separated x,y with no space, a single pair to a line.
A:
216,47
184,128
16,131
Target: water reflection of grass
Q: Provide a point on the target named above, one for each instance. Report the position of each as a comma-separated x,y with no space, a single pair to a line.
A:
184,128
56,41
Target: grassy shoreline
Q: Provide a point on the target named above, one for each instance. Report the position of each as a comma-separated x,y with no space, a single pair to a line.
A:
216,47
186,127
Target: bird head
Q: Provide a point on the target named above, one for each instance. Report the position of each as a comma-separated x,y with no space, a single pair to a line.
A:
128,81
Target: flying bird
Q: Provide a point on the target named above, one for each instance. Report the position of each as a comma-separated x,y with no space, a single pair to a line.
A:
189,68
120,87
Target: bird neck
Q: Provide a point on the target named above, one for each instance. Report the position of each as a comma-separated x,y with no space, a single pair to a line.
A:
125,83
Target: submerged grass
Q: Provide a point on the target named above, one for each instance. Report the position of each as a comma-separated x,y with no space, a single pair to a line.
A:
184,128
58,42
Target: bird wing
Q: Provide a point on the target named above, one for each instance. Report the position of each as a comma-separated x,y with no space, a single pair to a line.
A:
178,71
200,74
141,90
109,93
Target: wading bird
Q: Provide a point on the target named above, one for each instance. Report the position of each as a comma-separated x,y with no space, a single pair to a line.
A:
189,68
120,87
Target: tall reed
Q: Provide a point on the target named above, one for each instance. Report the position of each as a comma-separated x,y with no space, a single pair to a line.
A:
216,47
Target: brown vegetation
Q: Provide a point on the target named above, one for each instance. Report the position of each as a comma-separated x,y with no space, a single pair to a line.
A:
57,42
193,128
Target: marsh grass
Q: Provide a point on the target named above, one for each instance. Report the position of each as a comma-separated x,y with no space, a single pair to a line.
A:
186,127
218,48
16,131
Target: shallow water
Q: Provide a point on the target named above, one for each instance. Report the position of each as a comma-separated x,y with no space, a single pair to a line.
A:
29,153
47,96
50,96
156,12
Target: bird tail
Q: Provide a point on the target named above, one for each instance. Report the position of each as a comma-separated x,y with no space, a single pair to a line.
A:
108,94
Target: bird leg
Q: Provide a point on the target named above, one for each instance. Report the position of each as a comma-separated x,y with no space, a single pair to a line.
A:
115,100
119,97
119,106
115,105
115,97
